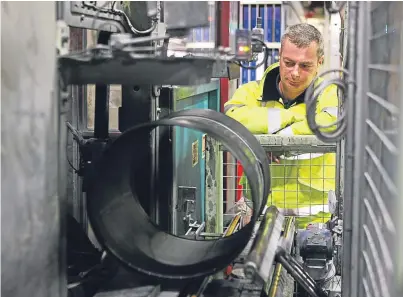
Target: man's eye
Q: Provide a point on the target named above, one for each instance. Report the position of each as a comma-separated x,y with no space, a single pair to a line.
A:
289,64
305,66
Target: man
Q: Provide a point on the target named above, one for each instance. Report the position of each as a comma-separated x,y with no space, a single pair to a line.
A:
275,105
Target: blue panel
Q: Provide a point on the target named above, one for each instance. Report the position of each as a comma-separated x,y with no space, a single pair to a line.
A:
277,24
270,23
244,73
253,25
198,35
206,34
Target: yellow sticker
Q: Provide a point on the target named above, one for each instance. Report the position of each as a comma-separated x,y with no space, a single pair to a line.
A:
195,153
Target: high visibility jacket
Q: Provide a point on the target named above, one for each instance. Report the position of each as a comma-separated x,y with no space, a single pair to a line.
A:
300,184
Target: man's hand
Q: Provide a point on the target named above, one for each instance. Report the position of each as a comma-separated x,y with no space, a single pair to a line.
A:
273,158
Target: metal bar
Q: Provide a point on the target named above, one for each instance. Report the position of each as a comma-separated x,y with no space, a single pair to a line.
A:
384,67
260,259
387,219
361,113
154,197
383,137
382,172
286,242
371,275
397,215
375,256
394,110
383,33
305,143
294,9
387,259
220,192
349,156
101,122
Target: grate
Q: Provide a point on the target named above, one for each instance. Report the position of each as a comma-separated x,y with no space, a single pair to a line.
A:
301,179
374,225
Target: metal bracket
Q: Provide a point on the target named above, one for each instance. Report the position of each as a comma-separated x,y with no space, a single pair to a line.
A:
186,205
62,48
195,229
92,15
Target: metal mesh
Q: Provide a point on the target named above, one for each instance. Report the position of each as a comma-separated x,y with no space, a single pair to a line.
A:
303,172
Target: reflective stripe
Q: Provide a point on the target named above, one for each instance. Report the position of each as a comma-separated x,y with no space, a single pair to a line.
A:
303,156
229,106
286,131
274,120
333,111
304,211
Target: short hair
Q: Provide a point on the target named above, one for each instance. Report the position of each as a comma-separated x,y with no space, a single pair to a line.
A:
302,36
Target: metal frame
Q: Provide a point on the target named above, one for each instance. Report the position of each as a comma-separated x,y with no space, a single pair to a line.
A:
397,213
370,220
281,144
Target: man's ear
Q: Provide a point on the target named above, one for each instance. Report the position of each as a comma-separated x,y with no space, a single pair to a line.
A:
321,59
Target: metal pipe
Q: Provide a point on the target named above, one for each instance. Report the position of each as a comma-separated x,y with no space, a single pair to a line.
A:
349,151
260,259
360,140
398,218
291,4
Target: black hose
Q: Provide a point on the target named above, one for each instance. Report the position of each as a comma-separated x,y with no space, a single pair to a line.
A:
298,273
125,231
311,99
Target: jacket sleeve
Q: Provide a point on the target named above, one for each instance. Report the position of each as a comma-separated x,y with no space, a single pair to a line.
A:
258,120
326,115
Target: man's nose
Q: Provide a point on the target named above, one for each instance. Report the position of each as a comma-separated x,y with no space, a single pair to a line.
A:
295,71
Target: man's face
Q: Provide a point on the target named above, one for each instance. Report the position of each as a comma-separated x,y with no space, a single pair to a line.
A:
298,66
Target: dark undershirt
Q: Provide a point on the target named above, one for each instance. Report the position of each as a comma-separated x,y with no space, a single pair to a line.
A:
271,90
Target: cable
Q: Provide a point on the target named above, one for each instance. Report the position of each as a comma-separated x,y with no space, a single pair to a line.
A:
134,30
68,161
266,56
311,100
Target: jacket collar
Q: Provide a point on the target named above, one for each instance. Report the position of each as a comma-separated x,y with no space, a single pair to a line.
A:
272,73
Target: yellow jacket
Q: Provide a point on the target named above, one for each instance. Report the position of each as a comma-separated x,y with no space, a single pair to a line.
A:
300,184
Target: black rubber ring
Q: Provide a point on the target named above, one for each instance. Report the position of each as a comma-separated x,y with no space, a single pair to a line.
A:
123,228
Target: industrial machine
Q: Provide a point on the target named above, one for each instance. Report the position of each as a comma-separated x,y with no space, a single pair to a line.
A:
130,233
123,224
